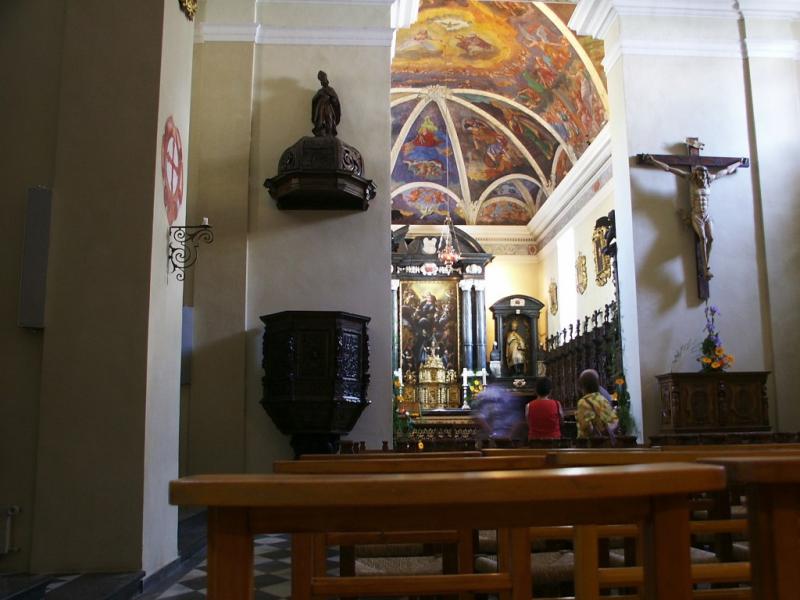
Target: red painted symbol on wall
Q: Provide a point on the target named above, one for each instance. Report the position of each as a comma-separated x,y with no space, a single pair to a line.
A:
172,169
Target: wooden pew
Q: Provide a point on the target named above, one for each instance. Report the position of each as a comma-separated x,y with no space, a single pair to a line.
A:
241,506
408,465
462,560
392,455
587,458
772,487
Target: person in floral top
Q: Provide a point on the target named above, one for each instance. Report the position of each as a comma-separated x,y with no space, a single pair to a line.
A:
594,416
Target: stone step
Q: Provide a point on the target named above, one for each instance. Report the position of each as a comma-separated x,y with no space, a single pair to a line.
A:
23,587
100,586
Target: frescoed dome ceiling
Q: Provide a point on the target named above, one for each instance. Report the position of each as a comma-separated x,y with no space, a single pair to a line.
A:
492,104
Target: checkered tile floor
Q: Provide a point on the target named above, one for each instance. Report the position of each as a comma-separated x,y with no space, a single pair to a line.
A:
272,572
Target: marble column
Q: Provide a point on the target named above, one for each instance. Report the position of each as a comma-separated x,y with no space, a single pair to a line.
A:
480,324
395,324
467,346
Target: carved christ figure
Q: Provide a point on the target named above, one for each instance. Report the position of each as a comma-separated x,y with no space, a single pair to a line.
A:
700,180
325,109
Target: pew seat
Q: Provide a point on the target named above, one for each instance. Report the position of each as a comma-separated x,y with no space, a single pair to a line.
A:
399,565
547,568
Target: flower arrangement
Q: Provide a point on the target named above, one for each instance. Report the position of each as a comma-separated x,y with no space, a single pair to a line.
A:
713,356
473,389
622,398
402,422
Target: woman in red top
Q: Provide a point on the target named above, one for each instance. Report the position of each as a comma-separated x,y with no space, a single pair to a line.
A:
544,414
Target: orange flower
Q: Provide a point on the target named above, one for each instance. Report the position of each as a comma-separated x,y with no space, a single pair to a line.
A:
619,381
729,358
716,364
719,351
705,360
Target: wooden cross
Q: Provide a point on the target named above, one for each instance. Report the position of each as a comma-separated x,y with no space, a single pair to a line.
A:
700,179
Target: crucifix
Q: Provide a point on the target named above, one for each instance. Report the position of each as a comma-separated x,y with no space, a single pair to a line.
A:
700,180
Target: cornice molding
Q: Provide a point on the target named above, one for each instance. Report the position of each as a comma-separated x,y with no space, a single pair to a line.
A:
761,48
293,36
226,32
595,17
693,48
590,166
501,240
333,2
325,36
770,9
403,14
750,48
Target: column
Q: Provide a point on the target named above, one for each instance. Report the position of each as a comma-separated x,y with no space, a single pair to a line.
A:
772,39
480,324
467,346
110,386
395,324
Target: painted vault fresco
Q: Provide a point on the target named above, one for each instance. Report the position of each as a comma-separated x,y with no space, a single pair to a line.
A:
492,104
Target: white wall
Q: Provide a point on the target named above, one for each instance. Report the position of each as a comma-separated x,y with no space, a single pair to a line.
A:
675,78
159,529
774,79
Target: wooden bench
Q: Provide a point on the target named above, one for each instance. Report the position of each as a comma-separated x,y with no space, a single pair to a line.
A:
241,506
408,465
392,455
462,560
772,487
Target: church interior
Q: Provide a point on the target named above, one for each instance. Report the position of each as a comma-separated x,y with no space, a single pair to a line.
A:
242,231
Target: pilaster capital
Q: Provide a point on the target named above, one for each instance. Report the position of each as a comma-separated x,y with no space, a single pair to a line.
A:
395,284
595,17
466,284
479,284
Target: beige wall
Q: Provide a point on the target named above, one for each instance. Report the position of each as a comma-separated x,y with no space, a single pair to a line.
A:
33,29
249,103
219,190
93,409
319,260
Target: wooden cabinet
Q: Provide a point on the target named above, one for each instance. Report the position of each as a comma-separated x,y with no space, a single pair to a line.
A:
709,402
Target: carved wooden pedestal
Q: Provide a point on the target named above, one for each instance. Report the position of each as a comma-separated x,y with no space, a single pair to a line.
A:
713,402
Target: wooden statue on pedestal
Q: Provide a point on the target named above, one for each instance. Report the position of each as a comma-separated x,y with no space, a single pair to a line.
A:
516,320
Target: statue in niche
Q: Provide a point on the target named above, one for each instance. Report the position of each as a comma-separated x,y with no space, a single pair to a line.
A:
325,109
515,350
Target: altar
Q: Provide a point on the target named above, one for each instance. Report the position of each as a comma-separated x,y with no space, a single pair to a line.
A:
439,323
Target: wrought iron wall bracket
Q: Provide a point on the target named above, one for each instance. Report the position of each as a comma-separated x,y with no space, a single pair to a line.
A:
182,244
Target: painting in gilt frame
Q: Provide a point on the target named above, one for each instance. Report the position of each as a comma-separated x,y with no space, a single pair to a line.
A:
429,323
602,261
581,275
553,297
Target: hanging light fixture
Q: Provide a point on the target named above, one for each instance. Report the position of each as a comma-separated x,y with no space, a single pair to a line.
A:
448,251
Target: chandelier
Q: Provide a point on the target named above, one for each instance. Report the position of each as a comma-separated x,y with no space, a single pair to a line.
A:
447,249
